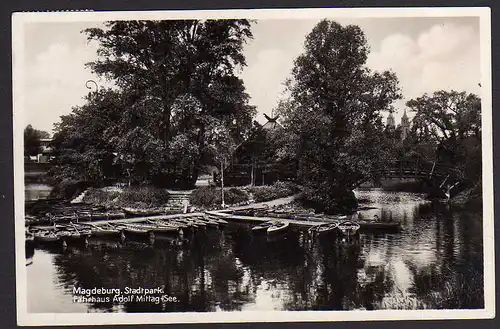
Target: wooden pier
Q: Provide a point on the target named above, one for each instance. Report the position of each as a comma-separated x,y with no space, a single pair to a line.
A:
298,223
305,224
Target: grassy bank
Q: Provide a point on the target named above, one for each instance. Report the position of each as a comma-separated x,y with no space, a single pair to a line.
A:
142,197
211,198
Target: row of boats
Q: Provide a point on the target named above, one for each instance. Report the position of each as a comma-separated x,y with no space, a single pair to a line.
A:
96,215
347,228
80,232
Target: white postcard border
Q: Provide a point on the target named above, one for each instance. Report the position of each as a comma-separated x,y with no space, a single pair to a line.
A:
25,318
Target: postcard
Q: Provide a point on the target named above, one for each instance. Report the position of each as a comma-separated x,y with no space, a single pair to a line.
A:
253,165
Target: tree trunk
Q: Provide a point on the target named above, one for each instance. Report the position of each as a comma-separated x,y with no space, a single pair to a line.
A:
252,174
222,181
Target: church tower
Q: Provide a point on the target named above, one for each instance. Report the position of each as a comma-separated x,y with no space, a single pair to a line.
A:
405,126
391,124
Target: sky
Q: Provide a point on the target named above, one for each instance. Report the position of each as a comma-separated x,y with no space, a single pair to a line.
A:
426,53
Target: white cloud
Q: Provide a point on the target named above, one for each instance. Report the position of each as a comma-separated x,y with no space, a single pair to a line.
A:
265,77
443,57
55,82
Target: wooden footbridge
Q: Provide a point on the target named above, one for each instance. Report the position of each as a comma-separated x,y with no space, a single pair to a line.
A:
442,176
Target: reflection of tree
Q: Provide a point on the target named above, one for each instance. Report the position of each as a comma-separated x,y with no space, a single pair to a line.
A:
199,274
228,269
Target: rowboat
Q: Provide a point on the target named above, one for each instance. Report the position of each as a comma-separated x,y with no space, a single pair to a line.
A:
170,223
207,221
218,220
262,227
188,223
107,215
278,227
325,229
103,230
348,227
143,212
29,237
73,233
134,230
159,228
46,236
374,226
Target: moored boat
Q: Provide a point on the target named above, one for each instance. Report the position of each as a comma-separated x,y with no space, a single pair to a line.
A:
46,236
261,228
103,230
324,229
278,227
143,212
348,228
133,230
374,226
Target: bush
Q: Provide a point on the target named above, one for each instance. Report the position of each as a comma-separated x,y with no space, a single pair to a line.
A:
68,189
329,200
210,197
134,197
100,197
276,191
145,196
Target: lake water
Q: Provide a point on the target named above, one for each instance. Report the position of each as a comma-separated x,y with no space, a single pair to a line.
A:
436,262
36,191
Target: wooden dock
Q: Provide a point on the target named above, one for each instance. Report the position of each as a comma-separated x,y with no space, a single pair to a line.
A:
305,224
299,223
134,219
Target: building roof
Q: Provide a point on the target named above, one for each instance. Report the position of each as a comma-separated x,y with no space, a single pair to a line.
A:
272,123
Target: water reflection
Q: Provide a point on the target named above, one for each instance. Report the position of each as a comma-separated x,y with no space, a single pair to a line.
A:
429,265
37,191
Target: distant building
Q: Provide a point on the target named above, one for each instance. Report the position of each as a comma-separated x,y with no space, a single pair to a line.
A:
404,127
391,123
46,150
272,123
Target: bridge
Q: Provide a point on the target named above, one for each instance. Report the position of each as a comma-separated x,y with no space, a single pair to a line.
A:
443,176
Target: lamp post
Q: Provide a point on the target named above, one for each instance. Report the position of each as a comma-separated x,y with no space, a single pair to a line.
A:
89,87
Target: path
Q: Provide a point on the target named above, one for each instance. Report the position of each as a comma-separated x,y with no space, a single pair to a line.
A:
264,205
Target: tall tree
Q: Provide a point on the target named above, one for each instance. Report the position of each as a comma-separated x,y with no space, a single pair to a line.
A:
32,137
453,120
165,61
333,115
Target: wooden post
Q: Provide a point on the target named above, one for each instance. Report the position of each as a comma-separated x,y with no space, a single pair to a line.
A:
252,174
440,186
432,170
222,181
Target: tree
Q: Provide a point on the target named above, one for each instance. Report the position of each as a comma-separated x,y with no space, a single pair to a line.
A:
453,120
32,137
222,146
333,115
84,141
172,62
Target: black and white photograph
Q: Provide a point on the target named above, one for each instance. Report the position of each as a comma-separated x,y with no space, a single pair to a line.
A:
253,165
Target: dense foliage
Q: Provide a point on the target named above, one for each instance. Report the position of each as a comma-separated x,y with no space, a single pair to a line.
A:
333,115
275,191
175,81
450,122
32,138
211,197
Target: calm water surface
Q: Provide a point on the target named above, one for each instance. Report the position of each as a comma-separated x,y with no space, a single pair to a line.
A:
439,250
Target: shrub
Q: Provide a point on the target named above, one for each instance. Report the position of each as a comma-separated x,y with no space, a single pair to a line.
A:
329,200
100,197
143,196
68,189
276,191
134,197
234,196
210,197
